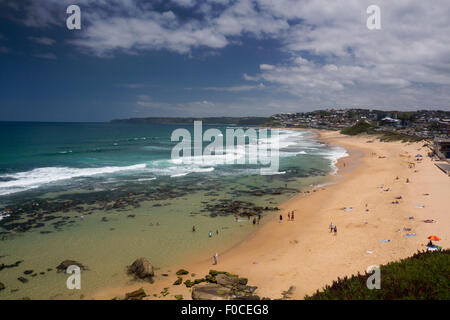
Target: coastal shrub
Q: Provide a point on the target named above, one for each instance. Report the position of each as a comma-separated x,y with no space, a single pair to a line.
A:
423,276
360,127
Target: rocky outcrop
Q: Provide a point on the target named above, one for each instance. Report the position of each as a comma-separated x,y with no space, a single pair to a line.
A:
211,291
136,295
2,286
222,286
142,269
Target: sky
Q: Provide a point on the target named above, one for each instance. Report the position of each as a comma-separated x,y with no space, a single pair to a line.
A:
201,58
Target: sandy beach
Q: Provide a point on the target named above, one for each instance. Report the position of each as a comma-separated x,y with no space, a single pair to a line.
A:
304,253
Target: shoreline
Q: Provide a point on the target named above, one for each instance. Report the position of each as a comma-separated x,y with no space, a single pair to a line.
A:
303,254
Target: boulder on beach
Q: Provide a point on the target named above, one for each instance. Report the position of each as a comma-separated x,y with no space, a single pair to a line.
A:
210,292
142,269
136,295
62,267
227,281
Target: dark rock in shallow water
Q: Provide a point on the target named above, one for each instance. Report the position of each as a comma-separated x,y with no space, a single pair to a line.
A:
22,279
178,281
62,267
7,266
142,269
136,295
2,286
28,272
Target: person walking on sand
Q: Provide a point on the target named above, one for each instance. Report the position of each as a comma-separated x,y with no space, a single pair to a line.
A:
289,216
216,258
331,227
254,221
281,218
292,215
335,230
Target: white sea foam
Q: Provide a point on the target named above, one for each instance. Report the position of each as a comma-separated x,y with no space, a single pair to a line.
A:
35,178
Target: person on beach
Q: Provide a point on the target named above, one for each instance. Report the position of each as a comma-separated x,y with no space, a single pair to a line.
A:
237,218
331,227
292,215
281,218
210,234
259,217
216,257
254,221
335,230
217,231
193,228
289,216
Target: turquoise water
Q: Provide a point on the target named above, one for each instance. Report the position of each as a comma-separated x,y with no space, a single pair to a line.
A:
105,194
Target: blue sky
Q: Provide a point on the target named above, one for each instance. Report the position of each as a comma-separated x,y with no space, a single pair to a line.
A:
135,58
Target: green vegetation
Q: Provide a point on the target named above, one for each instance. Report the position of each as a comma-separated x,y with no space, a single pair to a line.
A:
385,135
360,127
424,276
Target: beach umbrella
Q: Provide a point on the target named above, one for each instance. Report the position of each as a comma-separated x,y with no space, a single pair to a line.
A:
434,238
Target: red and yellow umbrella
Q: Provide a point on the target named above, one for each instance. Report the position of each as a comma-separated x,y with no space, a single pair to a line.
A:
434,238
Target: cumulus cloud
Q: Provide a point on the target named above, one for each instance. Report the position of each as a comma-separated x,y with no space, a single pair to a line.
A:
333,57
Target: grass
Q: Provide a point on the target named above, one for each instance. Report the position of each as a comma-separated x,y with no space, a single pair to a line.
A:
360,127
423,276
384,136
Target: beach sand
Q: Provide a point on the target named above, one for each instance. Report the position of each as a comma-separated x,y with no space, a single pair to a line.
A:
304,254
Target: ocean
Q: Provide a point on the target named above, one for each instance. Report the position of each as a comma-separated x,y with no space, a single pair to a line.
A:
105,194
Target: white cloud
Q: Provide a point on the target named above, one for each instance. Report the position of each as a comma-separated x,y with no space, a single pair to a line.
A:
334,58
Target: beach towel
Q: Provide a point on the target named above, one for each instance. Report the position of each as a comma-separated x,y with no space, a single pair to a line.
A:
410,235
369,252
429,221
385,240
419,207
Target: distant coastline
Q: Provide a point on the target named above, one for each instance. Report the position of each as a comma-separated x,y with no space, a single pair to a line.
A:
242,121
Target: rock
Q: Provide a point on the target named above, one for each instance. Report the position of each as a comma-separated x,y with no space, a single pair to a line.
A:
178,281
136,295
250,297
22,279
227,281
2,286
189,283
142,269
179,297
210,292
28,272
62,267
243,281
182,272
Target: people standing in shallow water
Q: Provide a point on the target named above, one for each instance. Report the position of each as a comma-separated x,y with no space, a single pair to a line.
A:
193,228
259,217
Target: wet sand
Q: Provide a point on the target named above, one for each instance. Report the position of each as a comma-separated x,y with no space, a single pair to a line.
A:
304,254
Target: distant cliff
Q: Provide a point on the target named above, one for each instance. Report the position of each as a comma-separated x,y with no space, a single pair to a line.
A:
241,121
